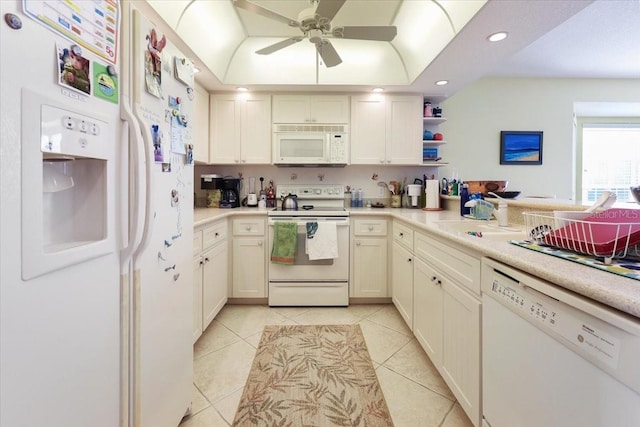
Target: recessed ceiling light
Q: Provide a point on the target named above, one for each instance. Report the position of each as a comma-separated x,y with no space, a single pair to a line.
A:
378,89
442,82
496,37
243,89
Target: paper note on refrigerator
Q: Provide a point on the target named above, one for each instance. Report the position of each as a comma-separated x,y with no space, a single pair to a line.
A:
177,145
184,70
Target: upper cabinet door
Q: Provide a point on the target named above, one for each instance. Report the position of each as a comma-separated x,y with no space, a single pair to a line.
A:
368,130
329,109
310,109
290,109
201,128
224,130
404,130
240,129
256,130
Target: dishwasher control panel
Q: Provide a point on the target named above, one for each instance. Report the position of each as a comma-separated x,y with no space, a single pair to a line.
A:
512,295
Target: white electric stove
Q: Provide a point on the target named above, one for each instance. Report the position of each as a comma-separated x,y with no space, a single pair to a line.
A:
322,282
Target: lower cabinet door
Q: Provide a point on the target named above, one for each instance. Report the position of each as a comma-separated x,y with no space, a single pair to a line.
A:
461,351
197,297
370,267
402,282
249,274
427,315
214,282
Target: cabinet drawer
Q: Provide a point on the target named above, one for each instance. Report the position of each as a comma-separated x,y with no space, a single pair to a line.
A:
460,266
403,235
248,227
214,234
370,227
197,242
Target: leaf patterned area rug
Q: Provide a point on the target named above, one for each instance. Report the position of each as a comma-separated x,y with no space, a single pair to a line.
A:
319,375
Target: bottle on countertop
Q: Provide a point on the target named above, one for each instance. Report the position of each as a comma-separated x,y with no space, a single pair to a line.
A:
360,197
464,198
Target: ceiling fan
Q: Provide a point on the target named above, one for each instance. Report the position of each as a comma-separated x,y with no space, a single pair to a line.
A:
315,24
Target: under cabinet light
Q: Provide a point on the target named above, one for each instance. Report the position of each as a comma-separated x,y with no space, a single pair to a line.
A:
242,89
378,89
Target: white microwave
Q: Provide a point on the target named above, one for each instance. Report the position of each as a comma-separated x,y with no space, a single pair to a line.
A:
310,145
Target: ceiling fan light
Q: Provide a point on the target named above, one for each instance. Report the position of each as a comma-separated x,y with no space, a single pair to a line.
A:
442,82
496,37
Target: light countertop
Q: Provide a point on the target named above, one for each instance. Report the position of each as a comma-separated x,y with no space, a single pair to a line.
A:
607,288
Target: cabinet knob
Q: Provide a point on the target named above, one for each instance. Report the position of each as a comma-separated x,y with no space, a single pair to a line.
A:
388,161
248,228
357,242
439,282
260,243
206,259
217,234
243,161
401,234
382,161
409,260
433,278
371,228
201,262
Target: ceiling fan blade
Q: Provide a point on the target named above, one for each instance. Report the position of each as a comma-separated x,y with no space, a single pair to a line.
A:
259,10
328,53
280,45
382,33
328,8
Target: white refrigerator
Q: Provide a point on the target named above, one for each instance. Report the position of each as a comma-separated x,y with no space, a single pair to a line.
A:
96,217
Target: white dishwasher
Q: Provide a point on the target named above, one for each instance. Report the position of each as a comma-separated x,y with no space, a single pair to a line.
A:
552,358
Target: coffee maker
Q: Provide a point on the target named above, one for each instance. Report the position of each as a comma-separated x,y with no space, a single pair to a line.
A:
230,193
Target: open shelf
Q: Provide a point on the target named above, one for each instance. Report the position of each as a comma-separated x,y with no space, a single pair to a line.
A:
434,120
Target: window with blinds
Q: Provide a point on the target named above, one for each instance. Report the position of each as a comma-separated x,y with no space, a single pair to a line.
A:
610,159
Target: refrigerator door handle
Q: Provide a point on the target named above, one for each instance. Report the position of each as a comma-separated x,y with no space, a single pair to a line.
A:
136,200
145,201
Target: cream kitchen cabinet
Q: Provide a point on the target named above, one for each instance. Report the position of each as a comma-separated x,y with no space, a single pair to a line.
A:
427,319
210,274
369,255
402,271
249,274
386,129
447,317
240,129
201,128
311,109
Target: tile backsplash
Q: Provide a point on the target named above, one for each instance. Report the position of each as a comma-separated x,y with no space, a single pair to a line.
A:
357,176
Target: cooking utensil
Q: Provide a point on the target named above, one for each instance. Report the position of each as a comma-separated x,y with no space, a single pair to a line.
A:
290,202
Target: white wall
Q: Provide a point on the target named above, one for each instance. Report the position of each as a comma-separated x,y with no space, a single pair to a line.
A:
477,114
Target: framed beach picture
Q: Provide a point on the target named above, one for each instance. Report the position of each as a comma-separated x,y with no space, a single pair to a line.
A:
520,147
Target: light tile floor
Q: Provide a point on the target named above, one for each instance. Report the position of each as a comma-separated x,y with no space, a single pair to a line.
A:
415,392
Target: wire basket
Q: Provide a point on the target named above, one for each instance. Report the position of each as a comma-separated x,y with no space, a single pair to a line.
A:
608,234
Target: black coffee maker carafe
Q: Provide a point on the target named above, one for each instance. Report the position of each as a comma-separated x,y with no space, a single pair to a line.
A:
230,193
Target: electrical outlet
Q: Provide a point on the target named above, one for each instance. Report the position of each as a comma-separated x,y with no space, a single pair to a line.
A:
380,191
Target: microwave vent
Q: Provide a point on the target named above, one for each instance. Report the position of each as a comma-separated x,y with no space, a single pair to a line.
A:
311,128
